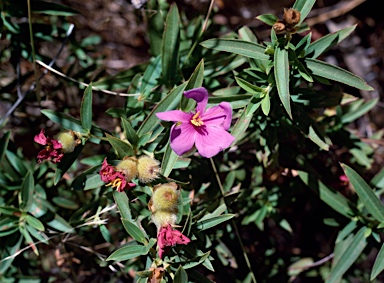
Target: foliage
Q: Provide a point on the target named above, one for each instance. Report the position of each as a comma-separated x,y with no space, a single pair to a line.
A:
291,118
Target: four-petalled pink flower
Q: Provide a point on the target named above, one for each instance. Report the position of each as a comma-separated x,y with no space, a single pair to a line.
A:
52,151
204,128
169,237
114,178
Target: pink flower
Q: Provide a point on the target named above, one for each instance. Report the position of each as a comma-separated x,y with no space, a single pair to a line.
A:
168,237
206,129
114,178
52,150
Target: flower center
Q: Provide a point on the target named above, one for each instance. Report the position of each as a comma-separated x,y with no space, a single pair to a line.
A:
196,120
115,183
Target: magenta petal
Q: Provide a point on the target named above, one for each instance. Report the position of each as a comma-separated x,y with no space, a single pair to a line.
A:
56,144
182,138
200,95
227,108
41,138
174,116
213,140
219,116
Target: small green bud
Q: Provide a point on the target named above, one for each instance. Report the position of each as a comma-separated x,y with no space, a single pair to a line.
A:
67,140
148,169
128,166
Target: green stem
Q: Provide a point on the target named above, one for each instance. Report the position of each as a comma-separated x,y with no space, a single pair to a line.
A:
234,223
32,45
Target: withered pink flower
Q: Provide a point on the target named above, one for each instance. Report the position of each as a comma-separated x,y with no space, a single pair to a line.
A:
204,128
114,178
169,237
52,150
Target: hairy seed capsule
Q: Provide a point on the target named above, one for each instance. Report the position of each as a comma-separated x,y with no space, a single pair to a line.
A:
128,166
67,140
291,16
147,168
165,197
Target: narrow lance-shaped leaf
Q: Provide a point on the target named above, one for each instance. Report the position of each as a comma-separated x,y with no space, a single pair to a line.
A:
122,148
27,189
237,46
281,71
378,266
4,144
169,160
130,133
213,221
122,200
331,72
304,7
349,256
86,109
320,46
196,80
66,163
181,276
128,252
371,202
133,230
170,46
171,101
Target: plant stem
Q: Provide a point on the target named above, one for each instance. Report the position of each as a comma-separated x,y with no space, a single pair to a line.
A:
233,223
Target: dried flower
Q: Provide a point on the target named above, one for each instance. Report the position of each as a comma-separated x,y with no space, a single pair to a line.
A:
206,129
168,237
291,17
52,150
148,169
114,178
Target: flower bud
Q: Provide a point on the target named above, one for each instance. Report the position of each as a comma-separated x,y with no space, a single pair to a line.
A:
128,166
165,197
148,169
162,218
291,16
67,140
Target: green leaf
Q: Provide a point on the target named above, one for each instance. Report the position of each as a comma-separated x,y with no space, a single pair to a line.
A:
53,9
237,46
371,202
4,144
27,189
171,101
66,163
130,133
266,104
86,109
34,222
9,251
122,148
269,19
128,252
331,72
195,80
281,71
304,7
122,200
60,224
135,231
65,203
378,266
248,87
212,221
169,160
88,179
16,162
358,111
170,46
28,239
69,122
150,76
309,127
246,34
323,44
181,276
331,197
348,257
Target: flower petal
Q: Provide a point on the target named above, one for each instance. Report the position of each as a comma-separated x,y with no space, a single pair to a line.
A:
200,95
41,138
212,140
219,116
182,138
174,116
